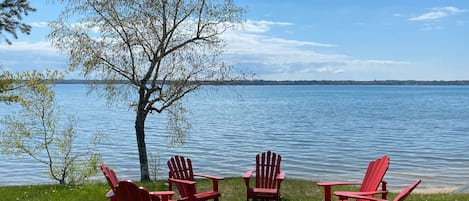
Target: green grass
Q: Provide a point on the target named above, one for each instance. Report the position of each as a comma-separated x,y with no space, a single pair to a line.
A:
232,189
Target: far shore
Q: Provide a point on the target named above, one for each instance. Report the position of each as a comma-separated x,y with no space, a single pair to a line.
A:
295,82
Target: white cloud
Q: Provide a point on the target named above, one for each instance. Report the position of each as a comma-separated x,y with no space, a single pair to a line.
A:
250,47
452,10
21,56
268,50
437,13
280,58
329,70
429,16
386,62
262,26
41,46
297,43
39,24
259,27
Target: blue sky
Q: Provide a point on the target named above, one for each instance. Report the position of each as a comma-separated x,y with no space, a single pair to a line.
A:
314,40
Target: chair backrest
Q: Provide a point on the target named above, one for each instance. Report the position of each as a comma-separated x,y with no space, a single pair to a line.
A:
128,191
267,168
406,191
180,168
375,174
110,176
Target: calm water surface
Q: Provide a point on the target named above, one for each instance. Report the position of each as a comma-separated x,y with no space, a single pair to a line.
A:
324,133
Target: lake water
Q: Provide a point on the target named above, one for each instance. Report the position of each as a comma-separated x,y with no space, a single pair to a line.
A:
324,133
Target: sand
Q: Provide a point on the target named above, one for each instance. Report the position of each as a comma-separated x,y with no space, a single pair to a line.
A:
433,190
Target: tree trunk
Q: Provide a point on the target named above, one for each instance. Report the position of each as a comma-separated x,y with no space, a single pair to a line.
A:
140,134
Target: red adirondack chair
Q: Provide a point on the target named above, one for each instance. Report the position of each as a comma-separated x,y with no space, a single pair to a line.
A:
181,174
111,179
345,196
268,177
113,182
127,190
373,178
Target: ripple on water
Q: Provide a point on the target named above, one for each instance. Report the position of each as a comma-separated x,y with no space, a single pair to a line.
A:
324,133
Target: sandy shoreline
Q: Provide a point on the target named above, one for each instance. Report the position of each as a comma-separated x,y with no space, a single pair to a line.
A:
431,190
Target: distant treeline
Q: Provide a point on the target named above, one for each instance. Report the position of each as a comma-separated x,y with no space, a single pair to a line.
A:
301,82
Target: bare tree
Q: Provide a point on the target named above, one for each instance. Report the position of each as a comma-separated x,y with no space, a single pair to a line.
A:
163,49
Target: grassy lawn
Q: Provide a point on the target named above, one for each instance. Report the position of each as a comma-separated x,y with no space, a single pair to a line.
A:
232,189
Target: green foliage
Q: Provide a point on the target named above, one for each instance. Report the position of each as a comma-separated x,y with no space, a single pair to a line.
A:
7,85
11,84
11,14
178,125
34,131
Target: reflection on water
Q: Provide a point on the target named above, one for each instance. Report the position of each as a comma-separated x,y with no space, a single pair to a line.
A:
323,133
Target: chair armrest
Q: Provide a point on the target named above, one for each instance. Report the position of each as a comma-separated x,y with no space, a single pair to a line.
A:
343,195
372,192
110,194
337,183
160,193
248,174
182,181
280,176
214,180
209,176
165,195
360,193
